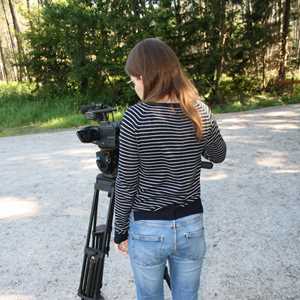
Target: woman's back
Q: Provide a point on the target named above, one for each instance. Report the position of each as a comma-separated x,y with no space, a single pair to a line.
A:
161,158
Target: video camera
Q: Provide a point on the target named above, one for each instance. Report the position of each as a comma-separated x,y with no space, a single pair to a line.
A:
105,135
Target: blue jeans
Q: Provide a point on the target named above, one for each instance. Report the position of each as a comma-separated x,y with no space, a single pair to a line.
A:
152,243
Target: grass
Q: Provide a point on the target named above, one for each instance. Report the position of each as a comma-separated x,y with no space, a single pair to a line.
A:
258,101
21,112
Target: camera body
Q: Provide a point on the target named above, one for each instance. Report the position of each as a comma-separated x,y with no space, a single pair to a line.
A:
105,135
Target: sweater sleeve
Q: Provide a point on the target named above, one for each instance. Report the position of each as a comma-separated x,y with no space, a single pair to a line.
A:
215,146
127,177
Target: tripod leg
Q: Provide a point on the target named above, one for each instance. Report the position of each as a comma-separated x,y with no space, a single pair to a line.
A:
167,277
93,266
104,241
87,268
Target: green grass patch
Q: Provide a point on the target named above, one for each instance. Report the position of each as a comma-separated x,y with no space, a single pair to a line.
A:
255,102
23,112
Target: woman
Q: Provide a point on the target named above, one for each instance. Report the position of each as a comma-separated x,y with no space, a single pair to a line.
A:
158,210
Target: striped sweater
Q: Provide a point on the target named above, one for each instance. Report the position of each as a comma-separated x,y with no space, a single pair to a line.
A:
160,161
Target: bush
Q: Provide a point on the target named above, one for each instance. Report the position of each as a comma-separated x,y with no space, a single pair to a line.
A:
239,88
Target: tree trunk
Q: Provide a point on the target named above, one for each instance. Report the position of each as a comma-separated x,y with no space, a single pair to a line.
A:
8,26
11,42
298,36
3,62
298,51
17,34
218,97
177,6
264,70
28,11
136,8
284,38
81,62
279,16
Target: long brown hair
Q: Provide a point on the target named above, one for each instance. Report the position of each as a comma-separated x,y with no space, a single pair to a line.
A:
163,76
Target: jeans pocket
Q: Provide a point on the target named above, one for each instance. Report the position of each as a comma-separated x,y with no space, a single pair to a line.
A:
145,249
195,244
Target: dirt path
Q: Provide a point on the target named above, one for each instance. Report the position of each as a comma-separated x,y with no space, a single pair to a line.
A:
251,203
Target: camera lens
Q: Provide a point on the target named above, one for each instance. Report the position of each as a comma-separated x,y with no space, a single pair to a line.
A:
89,134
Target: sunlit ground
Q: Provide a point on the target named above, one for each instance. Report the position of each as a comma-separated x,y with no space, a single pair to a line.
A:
217,175
13,207
255,234
16,297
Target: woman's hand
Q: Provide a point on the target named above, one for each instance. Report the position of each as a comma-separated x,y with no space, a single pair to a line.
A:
122,247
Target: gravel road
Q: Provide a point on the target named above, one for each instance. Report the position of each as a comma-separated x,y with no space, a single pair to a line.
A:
251,213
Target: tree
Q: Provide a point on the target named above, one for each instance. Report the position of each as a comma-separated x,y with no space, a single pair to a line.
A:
227,47
11,39
285,32
18,38
3,62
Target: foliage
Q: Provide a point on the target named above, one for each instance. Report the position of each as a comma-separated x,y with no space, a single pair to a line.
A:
22,111
75,47
80,47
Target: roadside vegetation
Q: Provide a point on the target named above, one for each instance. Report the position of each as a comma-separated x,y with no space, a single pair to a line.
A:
24,112
58,55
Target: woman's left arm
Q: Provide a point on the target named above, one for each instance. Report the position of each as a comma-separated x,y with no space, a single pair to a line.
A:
127,178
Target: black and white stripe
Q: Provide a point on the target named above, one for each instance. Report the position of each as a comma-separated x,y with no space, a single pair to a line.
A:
160,159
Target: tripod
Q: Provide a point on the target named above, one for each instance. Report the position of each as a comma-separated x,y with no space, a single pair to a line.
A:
97,243
98,239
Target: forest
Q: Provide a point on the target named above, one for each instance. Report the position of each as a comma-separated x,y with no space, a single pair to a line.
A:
233,50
